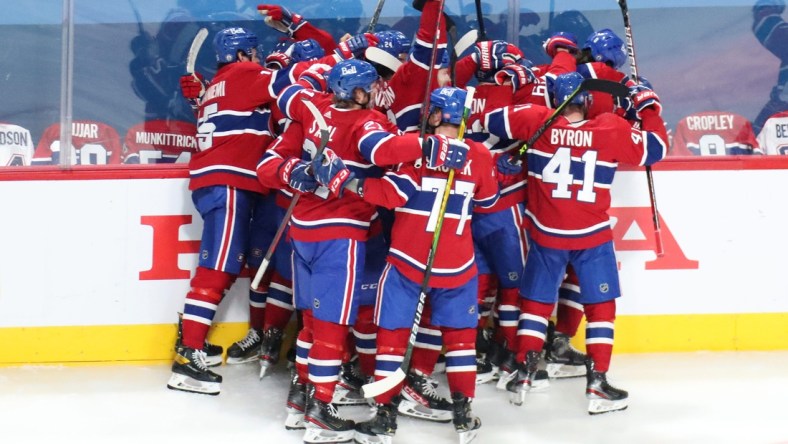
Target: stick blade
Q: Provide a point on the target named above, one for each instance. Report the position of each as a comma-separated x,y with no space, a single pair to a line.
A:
191,58
380,387
466,42
613,88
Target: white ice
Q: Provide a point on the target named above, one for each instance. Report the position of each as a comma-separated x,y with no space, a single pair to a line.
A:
731,397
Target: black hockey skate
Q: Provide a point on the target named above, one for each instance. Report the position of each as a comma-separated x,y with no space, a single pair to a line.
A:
323,423
381,428
296,403
348,388
247,349
190,373
484,370
523,378
213,352
269,349
466,424
562,359
603,397
420,399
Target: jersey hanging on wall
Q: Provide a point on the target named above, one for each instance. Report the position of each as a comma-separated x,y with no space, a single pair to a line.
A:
92,143
714,133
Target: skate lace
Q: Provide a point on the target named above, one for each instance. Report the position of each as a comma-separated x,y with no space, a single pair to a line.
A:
428,389
332,410
200,360
250,339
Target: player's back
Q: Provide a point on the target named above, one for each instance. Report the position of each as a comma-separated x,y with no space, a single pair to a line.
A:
571,169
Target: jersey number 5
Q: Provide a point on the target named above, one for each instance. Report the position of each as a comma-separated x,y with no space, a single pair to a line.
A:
558,171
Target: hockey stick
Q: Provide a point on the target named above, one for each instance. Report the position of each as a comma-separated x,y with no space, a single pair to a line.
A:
375,16
480,19
613,88
433,59
321,123
384,385
191,58
466,42
649,175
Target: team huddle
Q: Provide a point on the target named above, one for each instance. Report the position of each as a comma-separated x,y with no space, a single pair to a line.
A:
396,211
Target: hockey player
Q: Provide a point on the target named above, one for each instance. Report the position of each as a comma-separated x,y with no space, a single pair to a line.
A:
414,191
329,233
571,168
232,135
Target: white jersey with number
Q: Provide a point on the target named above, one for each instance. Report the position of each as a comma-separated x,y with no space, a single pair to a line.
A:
773,137
16,145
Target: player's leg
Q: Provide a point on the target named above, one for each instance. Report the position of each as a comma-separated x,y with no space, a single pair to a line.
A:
454,311
542,275
226,212
597,272
562,359
337,266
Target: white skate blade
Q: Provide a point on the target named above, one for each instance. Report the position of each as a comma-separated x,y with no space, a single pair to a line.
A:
416,410
467,437
540,383
345,396
561,371
213,361
504,378
264,367
518,398
484,378
236,361
187,384
314,434
363,438
599,405
294,420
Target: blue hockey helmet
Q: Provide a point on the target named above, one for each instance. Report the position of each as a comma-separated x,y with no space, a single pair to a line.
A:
308,49
566,84
348,75
229,41
778,6
606,47
571,21
450,101
393,42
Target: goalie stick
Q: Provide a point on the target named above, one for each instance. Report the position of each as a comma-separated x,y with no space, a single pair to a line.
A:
633,66
613,88
383,385
323,126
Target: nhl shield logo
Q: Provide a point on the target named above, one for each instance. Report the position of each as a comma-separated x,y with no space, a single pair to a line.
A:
204,254
316,303
513,276
604,288
472,309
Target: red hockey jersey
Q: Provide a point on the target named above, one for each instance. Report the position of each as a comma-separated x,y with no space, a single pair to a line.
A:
233,127
571,169
92,143
415,192
714,133
160,141
363,138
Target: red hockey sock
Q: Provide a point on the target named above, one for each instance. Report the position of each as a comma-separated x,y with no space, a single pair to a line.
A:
508,317
391,350
365,334
326,355
201,304
532,327
600,332
303,346
461,360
